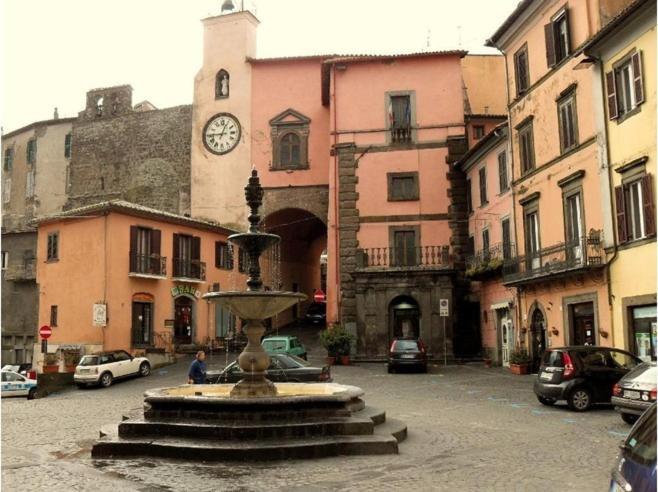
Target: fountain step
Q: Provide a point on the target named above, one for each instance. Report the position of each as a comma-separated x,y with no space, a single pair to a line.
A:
392,427
226,431
377,415
230,414
184,448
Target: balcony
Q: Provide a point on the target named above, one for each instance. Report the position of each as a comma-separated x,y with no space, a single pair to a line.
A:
189,270
488,263
418,258
148,266
558,260
401,134
25,272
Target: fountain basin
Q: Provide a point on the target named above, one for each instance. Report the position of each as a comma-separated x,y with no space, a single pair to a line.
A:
285,391
255,305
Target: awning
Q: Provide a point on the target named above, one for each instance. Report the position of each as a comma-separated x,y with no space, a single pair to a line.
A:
500,305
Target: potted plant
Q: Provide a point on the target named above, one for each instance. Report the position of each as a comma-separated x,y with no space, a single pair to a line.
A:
50,363
71,359
338,343
328,341
519,361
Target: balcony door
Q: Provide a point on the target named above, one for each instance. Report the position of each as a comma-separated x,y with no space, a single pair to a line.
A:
187,255
574,228
404,248
532,240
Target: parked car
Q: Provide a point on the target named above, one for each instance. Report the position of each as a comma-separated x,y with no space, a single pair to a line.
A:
635,469
283,369
407,352
316,313
284,345
581,375
104,367
14,384
635,392
24,369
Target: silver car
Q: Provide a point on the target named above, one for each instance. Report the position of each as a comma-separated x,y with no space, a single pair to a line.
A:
635,392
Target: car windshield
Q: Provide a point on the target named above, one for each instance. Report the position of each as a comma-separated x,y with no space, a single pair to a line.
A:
89,360
640,445
552,358
644,373
317,309
406,345
274,344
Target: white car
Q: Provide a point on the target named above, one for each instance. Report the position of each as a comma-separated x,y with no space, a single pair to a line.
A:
105,367
13,384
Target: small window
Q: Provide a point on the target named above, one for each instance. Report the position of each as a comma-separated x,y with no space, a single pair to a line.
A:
53,247
567,121
5,259
625,87
31,151
635,210
485,244
478,132
526,148
67,145
521,70
289,131
290,150
403,186
557,38
9,159
469,200
503,181
507,238
483,186
243,261
223,256
53,315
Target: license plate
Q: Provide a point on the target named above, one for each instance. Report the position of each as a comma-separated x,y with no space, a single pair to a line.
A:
408,356
546,375
635,395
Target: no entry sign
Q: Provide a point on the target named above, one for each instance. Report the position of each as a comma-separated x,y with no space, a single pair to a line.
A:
319,296
45,331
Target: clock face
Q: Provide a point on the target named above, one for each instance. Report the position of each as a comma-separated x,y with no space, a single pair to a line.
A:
222,133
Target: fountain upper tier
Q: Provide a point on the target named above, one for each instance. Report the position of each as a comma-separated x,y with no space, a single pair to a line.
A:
255,305
254,241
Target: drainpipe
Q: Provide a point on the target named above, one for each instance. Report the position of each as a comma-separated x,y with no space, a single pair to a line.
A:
103,328
336,185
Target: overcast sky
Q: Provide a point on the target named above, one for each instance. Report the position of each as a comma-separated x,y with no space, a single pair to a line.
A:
54,51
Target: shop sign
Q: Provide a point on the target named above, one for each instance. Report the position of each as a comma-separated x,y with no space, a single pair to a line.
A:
179,290
100,315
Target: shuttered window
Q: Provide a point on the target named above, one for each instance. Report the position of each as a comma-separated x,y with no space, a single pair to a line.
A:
556,34
567,121
478,132
223,257
485,244
31,153
52,252
507,239
624,86
634,203
404,244
469,200
402,186
503,181
145,244
9,159
67,145
53,316
290,151
526,148
482,176
521,70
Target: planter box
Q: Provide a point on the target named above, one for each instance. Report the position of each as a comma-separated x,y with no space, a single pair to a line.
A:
330,360
50,369
519,368
345,360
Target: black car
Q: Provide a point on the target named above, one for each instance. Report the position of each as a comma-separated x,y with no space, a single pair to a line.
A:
635,469
581,375
407,352
635,392
283,368
316,313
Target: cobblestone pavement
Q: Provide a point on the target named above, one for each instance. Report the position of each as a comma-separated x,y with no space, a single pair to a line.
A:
470,428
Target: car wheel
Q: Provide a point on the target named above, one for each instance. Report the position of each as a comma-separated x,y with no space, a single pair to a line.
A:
423,369
106,379
144,369
629,418
546,401
580,399
32,394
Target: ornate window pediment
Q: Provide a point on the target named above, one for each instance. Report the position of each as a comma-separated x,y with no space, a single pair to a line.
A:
289,131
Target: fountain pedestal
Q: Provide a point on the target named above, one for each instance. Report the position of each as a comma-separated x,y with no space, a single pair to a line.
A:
254,361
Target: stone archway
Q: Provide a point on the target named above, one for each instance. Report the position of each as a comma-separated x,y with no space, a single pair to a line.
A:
404,316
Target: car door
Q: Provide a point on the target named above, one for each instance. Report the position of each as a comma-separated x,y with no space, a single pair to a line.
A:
12,384
122,363
596,371
106,363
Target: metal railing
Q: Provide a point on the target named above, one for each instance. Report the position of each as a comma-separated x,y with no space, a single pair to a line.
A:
420,256
150,264
484,257
586,252
401,134
185,268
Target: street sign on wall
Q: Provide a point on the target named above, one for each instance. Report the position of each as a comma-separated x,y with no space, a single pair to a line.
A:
45,331
443,307
100,314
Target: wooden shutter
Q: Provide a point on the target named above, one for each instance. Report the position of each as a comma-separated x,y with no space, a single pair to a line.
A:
217,248
196,248
156,238
613,112
647,206
133,248
622,230
566,20
550,44
637,77
176,246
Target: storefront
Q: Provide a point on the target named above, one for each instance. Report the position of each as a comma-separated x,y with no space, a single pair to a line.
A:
643,331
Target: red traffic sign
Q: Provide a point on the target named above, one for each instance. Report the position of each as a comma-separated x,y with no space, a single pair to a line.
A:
45,331
319,296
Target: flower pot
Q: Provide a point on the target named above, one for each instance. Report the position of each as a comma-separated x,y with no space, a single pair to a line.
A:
487,362
519,368
345,360
70,367
331,360
50,369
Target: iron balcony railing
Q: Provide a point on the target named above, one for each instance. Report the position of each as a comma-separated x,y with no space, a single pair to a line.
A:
497,252
401,134
185,268
584,253
150,264
420,256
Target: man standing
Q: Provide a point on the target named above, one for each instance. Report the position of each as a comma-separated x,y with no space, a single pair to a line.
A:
197,374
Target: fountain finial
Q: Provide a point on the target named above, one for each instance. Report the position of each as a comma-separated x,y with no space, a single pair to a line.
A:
254,194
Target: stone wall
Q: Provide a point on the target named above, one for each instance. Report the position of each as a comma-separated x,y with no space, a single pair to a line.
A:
313,199
140,157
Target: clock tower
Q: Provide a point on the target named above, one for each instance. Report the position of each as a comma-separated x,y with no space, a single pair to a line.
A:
221,119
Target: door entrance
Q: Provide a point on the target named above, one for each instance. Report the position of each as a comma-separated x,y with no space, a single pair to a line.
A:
183,322
506,337
405,316
538,338
582,323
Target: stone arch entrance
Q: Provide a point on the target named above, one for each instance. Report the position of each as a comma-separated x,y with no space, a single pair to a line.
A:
537,334
404,314
299,256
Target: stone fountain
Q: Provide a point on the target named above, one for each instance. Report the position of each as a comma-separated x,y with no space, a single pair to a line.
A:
254,419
